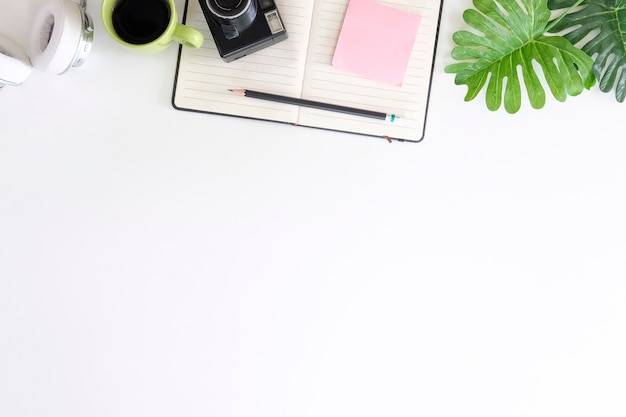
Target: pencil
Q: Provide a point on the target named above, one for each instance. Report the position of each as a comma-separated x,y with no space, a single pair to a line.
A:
317,105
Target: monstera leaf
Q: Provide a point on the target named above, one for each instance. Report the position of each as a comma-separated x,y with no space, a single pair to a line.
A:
604,22
513,38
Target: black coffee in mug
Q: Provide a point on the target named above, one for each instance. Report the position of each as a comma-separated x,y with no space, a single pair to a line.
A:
140,21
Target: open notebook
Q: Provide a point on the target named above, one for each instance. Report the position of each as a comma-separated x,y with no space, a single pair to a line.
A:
301,67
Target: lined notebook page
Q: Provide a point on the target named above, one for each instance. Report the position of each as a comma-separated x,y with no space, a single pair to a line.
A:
301,67
323,82
204,79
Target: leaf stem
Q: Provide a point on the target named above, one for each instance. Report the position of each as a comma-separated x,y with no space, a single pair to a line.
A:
565,13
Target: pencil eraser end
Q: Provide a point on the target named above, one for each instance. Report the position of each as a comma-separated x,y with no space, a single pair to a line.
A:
394,119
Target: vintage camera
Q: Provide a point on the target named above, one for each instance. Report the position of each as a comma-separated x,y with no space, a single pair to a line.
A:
241,27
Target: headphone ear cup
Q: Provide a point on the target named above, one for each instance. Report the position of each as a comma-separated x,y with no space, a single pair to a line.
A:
61,36
15,67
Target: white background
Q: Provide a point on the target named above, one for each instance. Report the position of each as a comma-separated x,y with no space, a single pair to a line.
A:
164,263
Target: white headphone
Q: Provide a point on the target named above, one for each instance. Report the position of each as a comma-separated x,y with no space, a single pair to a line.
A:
60,38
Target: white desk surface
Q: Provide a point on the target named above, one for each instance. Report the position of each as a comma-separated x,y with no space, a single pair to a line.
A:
164,263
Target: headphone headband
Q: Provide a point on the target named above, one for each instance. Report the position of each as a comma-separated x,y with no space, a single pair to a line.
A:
15,66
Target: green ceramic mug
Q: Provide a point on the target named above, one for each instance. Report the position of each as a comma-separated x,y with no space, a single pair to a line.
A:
147,26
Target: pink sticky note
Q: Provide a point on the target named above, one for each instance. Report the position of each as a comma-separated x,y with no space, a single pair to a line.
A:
376,41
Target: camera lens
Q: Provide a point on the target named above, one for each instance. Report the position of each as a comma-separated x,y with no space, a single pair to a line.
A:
234,16
230,7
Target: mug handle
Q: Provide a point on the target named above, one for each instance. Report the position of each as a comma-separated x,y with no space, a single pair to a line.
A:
188,36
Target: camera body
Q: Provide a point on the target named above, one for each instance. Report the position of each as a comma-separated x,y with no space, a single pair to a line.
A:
241,27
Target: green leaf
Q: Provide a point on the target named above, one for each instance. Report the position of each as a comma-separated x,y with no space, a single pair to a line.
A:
508,37
601,25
